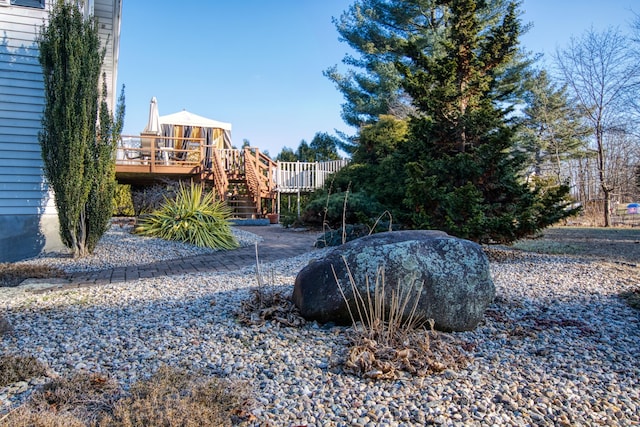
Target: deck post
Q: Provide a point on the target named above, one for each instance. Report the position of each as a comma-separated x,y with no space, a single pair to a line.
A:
202,159
152,158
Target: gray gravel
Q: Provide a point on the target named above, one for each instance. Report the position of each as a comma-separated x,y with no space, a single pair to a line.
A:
558,347
120,247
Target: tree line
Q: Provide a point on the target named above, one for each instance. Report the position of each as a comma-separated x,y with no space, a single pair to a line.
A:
459,128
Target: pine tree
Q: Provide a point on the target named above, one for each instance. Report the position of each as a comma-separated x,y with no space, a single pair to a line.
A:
377,31
463,175
324,147
77,158
553,129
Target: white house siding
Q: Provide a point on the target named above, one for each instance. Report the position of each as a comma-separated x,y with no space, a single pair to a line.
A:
108,13
28,218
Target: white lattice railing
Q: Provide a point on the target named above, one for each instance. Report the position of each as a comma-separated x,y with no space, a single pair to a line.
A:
292,177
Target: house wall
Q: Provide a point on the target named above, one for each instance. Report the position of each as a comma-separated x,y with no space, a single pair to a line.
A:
109,13
28,218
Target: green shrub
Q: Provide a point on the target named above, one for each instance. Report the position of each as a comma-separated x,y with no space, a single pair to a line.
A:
360,208
122,201
342,235
195,217
289,209
288,220
350,232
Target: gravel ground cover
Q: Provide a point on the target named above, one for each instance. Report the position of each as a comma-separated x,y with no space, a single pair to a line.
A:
557,347
120,247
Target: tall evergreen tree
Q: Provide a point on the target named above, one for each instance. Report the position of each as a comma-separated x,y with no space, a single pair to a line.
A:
463,175
77,157
304,153
287,155
377,31
324,147
553,129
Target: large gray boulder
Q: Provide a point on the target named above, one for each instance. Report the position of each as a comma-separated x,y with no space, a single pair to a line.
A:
457,285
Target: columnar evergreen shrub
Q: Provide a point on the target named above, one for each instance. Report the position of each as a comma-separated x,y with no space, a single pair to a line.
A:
78,156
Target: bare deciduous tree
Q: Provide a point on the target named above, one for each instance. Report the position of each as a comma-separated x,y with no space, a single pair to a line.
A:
602,73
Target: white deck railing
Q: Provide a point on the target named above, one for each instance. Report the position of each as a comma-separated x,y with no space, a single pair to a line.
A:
156,152
293,177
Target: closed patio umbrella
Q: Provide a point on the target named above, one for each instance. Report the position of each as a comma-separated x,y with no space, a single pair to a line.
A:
152,129
153,125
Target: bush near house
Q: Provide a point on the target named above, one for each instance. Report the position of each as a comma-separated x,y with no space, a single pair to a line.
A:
122,201
343,207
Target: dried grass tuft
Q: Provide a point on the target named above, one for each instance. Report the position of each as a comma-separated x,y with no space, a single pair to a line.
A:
14,368
389,341
171,397
24,416
268,304
174,397
12,274
87,397
421,353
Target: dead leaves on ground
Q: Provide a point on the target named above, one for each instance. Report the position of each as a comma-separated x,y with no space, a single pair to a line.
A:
416,353
267,304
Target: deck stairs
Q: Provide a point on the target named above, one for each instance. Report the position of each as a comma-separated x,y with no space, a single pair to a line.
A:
242,204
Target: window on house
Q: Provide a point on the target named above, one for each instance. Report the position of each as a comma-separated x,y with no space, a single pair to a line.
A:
28,3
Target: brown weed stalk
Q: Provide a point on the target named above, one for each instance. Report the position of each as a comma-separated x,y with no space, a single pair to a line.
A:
391,341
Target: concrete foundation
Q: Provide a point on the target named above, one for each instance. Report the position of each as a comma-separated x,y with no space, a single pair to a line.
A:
26,236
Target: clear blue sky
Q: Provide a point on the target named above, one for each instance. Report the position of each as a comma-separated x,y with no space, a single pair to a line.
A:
258,64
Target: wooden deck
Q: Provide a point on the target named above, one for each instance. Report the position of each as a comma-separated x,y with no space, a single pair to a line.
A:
242,177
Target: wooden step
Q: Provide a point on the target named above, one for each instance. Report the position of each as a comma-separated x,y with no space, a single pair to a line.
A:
243,207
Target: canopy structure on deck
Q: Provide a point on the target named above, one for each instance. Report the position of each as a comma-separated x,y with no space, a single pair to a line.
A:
188,125
184,124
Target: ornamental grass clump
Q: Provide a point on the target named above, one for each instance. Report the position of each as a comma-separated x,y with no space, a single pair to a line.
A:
194,216
389,340
268,304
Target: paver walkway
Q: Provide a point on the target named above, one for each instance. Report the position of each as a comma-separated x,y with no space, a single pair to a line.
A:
278,243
